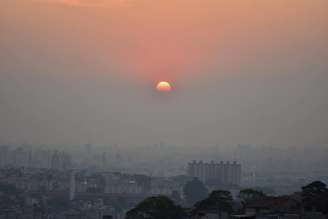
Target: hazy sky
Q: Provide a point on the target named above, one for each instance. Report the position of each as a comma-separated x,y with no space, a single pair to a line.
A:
243,71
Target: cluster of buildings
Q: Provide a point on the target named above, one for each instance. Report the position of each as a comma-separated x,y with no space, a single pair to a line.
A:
222,173
28,157
48,193
47,183
79,192
280,207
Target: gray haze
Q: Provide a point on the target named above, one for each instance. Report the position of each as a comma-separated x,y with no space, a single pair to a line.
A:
261,78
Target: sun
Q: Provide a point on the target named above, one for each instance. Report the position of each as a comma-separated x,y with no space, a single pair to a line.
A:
163,86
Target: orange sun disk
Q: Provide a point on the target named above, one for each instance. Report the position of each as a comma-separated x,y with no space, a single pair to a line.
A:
163,86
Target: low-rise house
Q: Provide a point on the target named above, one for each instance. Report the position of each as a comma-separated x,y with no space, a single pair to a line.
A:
210,213
282,207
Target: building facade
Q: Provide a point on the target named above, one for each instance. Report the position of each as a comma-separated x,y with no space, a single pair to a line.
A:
223,173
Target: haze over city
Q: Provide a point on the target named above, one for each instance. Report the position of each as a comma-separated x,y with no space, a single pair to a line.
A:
211,108
76,72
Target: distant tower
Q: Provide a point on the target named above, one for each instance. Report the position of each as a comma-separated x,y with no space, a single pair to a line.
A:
4,154
103,161
72,186
55,161
30,159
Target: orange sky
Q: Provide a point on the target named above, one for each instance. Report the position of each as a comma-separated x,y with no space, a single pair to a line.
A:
168,39
241,68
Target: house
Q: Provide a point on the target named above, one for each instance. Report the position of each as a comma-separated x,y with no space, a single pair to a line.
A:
209,213
282,207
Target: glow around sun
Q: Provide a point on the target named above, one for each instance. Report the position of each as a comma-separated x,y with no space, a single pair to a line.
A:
163,86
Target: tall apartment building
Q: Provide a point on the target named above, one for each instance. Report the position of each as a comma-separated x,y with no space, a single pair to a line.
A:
219,173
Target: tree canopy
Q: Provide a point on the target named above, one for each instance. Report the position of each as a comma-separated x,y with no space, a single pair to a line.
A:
194,191
159,207
220,199
251,194
315,196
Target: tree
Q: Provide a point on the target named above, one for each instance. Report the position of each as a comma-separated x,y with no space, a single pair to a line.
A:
8,189
251,194
10,196
219,199
175,196
160,207
194,191
315,196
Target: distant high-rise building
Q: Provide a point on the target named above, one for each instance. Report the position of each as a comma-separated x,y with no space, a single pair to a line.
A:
3,156
60,161
219,173
72,186
55,161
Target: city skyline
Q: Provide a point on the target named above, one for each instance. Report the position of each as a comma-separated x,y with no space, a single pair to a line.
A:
163,109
